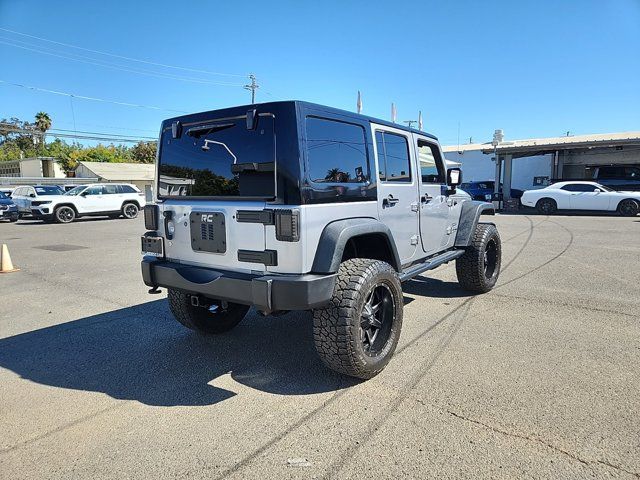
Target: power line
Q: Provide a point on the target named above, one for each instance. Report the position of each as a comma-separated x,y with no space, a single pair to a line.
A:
99,137
94,99
122,56
100,63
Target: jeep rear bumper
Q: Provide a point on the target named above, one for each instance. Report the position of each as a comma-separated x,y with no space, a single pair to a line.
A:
265,292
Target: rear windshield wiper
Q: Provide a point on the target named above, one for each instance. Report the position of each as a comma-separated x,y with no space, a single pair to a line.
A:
206,129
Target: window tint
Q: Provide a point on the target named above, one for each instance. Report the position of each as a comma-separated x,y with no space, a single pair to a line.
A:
126,189
579,187
48,190
336,151
218,158
95,190
431,169
393,157
110,189
632,173
610,172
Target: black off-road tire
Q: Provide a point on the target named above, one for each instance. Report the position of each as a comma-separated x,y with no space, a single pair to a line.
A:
338,331
478,269
130,210
200,318
64,214
628,207
546,206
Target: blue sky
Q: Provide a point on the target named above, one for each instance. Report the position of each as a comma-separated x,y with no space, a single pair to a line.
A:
531,68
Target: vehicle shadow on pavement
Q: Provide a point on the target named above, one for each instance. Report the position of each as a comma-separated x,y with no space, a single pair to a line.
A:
141,353
433,288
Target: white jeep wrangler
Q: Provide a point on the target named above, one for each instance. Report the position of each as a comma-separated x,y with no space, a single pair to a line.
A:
294,206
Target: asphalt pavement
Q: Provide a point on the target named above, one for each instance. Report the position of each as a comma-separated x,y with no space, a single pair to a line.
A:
537,379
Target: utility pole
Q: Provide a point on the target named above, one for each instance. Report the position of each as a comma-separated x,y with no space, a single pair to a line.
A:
410,122
253,86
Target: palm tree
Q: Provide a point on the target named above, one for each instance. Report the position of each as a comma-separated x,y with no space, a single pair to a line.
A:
43,123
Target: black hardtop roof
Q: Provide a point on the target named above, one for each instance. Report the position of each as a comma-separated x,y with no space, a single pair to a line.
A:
317,107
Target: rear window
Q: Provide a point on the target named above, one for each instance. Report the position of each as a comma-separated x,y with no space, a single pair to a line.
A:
218,158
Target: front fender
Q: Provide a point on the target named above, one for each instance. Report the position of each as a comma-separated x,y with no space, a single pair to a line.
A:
469,218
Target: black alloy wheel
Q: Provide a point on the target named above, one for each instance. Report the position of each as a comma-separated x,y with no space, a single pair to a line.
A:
130,210
65,214
377,317
628,208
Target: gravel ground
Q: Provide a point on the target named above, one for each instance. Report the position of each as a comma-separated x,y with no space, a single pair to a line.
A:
537,379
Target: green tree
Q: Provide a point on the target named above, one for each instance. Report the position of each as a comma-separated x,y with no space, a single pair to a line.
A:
144,152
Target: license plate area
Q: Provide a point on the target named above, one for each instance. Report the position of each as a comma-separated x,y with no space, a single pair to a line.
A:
153,246
208,232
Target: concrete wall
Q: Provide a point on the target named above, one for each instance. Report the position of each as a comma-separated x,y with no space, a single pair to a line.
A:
477,166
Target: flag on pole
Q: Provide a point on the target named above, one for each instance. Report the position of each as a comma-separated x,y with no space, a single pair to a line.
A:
359,104
420,120
394,114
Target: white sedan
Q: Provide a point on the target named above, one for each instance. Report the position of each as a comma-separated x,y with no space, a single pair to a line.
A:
582,196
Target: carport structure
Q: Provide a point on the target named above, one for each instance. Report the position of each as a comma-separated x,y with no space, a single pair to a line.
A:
572,157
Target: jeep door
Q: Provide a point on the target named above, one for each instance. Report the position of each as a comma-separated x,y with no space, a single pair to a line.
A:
397,188
434,203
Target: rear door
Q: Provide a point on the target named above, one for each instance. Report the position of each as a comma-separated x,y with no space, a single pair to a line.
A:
112,198
215,175
434,202
397,188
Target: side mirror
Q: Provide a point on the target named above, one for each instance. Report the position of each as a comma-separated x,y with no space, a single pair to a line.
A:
32,195
83,194
454,178
596,190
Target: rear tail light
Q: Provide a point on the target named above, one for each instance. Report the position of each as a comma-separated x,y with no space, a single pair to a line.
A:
287,225
151,214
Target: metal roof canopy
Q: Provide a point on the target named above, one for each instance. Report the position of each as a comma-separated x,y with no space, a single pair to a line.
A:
507,151
541,146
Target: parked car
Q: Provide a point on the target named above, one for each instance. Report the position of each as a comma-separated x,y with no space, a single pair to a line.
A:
582,196
23,197
98,199
7,191
619,177
8,209
483,191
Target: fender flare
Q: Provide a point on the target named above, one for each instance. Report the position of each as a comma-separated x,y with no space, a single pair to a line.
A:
335,236
469,218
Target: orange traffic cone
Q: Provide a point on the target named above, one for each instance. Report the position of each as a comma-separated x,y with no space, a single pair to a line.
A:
5,261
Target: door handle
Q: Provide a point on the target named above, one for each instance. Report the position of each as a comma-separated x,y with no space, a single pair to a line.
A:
425,198
389,200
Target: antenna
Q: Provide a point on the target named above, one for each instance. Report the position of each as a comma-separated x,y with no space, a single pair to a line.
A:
394,113
253,86
359,102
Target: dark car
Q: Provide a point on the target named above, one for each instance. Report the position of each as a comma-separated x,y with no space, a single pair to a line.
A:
484,190
619,177
8,209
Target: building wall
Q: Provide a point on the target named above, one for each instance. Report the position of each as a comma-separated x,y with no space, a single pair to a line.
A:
478,166
31,168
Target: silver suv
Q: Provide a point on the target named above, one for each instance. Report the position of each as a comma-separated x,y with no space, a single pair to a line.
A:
294,206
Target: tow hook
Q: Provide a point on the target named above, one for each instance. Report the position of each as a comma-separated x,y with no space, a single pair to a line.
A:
155,290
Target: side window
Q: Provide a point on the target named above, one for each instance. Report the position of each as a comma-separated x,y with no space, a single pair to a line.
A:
579,187
431,169
569,188
393,157
126,189
110,189
97,190
336,151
